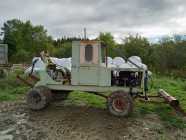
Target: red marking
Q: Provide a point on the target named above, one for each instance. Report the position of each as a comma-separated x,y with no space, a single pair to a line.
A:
119,104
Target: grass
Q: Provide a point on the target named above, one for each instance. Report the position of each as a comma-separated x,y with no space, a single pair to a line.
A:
176,87
11,90
87,98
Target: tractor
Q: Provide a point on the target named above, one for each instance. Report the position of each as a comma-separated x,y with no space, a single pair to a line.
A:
90,72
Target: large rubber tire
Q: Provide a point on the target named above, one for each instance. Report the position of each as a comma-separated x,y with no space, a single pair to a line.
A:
60,95
120,103
38,98
3,73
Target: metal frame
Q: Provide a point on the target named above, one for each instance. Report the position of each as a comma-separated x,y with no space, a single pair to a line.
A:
46,80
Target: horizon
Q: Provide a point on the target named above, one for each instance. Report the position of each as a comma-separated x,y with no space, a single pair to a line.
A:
118,39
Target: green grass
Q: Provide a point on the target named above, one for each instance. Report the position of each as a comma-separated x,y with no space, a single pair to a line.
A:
87,98
11,90
11,94
176,87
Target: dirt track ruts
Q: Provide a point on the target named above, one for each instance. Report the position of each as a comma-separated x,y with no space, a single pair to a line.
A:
67,122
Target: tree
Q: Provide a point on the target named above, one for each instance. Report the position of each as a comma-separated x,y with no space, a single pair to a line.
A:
63,49
136,45
9,36
24,38
108,40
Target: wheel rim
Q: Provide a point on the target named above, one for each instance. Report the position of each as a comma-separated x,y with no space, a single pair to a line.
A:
119,104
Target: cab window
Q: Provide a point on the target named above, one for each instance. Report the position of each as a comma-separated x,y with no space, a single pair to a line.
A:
88,53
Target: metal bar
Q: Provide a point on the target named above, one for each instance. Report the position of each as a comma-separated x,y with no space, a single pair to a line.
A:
151,101
150,96
174,103
88,88
24,81
34,77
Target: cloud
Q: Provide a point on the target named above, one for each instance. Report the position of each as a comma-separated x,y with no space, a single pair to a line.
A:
68,17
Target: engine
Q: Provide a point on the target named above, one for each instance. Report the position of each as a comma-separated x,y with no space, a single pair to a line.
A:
126,78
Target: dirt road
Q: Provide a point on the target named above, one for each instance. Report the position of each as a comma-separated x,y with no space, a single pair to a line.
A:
62,122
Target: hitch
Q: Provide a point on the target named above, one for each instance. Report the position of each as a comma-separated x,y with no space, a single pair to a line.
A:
172,101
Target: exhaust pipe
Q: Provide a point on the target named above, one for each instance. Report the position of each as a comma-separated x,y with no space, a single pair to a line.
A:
168,98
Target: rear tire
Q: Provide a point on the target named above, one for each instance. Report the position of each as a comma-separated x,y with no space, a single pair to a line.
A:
3,73
120,103
38,98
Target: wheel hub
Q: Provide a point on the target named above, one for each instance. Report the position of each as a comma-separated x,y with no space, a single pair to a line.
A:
36,98
119,104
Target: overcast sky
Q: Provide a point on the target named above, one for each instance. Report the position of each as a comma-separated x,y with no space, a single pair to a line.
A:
149,18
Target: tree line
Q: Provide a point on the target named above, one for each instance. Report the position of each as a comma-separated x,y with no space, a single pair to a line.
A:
25,40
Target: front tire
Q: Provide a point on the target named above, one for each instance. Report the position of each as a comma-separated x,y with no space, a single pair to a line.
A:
120,103
38,98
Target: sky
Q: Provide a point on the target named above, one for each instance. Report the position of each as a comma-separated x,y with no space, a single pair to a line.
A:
149,18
